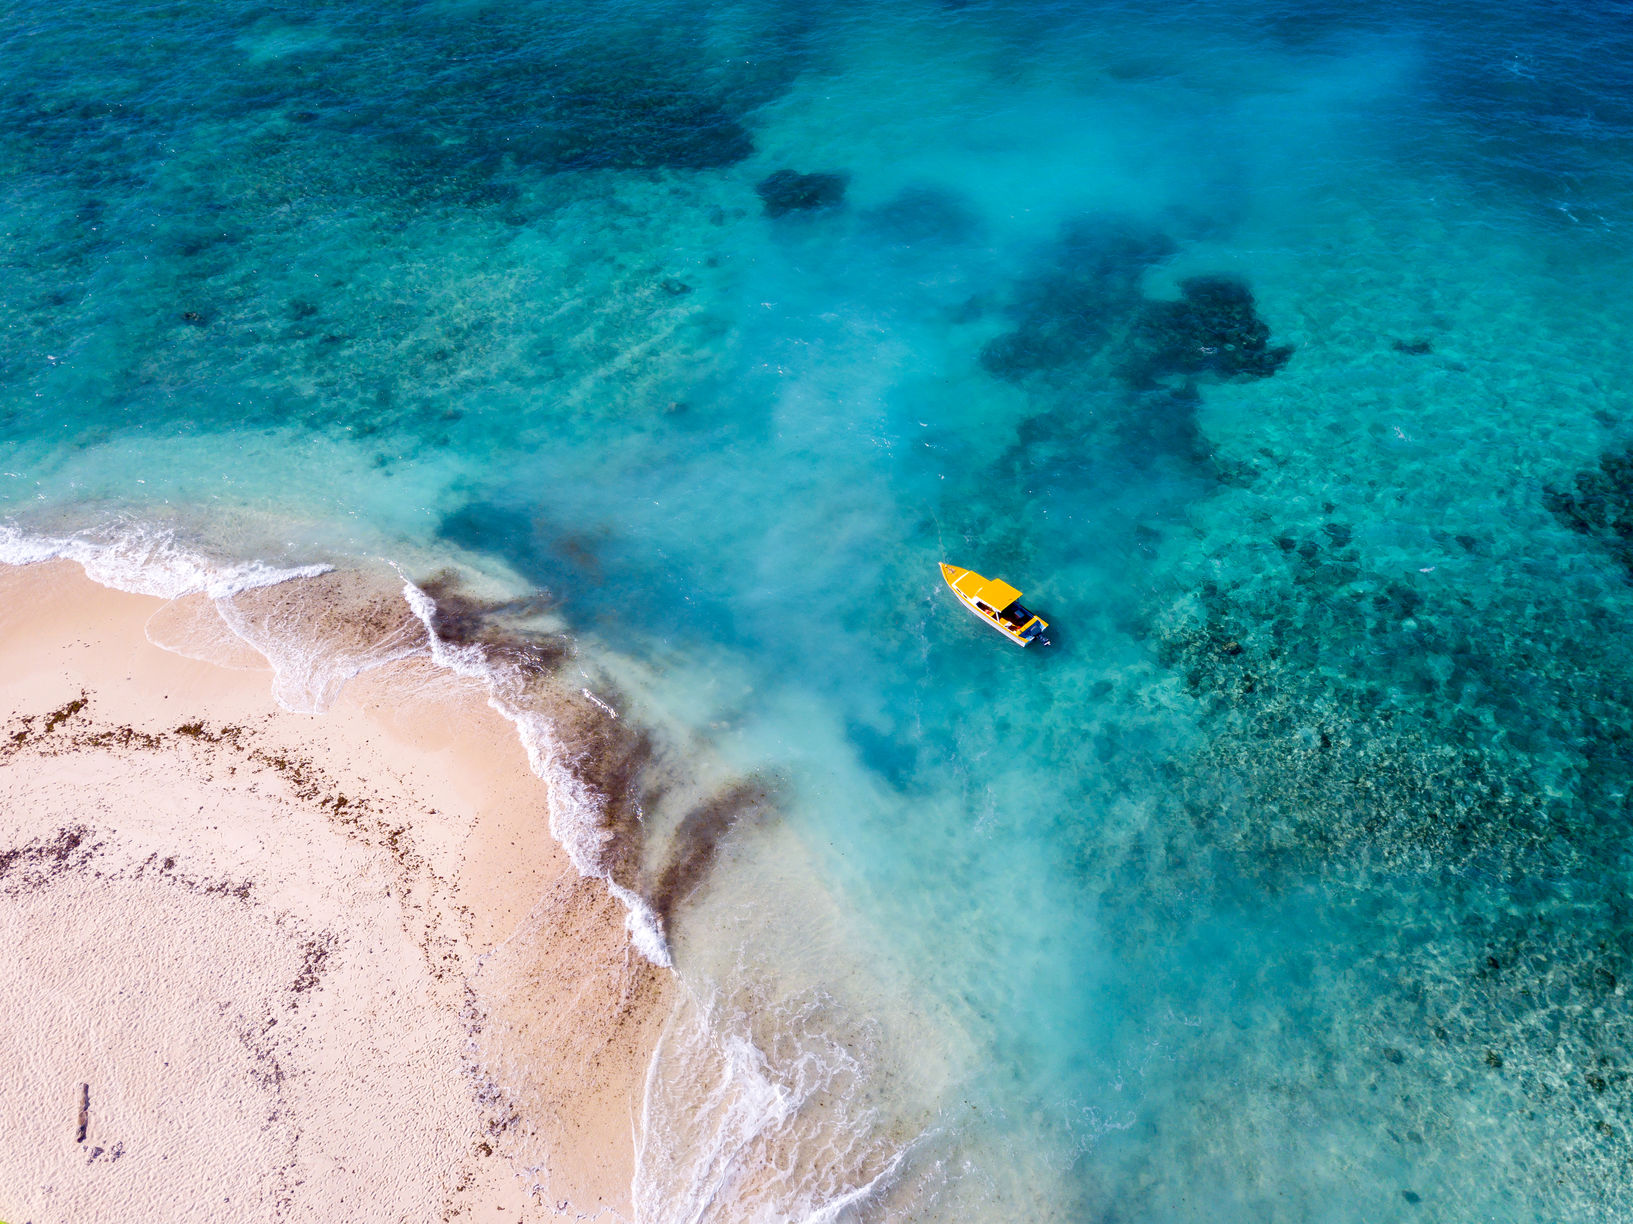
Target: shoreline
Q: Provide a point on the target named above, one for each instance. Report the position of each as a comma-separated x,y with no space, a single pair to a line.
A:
356,977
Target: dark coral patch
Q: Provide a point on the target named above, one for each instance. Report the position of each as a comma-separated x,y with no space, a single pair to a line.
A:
1089,306
1212,329
1599,504
788,191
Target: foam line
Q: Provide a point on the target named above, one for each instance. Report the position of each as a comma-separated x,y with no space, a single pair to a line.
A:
310,668
829,1212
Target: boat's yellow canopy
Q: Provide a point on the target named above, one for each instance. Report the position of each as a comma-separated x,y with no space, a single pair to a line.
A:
994,592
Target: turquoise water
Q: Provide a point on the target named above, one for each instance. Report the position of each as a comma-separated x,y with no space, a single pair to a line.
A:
1278,352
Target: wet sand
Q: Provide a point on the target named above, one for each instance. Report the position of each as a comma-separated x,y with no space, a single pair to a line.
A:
290,966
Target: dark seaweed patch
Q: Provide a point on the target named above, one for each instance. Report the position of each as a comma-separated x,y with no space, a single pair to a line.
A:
457,617
564,563
314,959
25,732
460,618
697,842
63,713
66,850
615,759
924,216
1161,420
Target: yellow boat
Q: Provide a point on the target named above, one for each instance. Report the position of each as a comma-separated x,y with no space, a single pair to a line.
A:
997,603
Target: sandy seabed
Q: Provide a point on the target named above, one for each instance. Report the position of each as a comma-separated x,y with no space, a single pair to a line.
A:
260,965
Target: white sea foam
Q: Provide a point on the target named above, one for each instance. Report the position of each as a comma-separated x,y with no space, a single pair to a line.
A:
310,662
132,556
756,1129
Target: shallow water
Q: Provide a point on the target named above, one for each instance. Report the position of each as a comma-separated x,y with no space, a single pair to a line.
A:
1289,884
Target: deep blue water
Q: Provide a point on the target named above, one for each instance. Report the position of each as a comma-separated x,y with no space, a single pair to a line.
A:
1277,351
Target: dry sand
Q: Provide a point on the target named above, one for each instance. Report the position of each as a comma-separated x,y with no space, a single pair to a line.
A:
322,967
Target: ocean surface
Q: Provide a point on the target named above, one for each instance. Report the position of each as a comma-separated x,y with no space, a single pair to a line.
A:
1279,351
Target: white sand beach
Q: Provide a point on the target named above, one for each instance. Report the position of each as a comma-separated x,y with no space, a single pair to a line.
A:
293,967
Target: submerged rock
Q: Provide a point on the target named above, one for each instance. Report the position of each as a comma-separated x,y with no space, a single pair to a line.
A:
789,191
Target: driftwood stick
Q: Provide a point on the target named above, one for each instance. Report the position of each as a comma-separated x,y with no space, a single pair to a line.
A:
84,1111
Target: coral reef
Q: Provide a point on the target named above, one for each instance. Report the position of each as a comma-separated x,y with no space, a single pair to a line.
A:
1088,306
